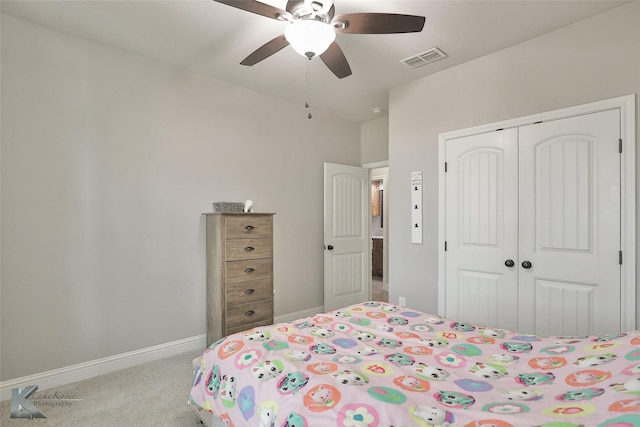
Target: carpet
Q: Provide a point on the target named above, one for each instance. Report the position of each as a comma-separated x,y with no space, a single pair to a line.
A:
152,394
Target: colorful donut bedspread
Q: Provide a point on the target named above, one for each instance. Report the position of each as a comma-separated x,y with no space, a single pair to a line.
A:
377,364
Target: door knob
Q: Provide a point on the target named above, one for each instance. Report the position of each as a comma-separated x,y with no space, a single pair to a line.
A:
330,247
509,263
526,264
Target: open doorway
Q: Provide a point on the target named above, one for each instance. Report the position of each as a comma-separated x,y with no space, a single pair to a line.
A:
379,234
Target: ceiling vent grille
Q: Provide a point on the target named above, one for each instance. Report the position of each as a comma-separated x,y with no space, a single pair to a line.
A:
424,58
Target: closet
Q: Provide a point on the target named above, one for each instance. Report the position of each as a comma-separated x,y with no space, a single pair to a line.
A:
531,226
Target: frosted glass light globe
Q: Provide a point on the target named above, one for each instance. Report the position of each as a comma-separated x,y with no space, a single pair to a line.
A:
309,37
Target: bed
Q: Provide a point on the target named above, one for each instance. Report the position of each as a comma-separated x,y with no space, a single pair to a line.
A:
378,364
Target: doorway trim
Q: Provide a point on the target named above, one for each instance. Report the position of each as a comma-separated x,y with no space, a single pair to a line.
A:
385,230
626,104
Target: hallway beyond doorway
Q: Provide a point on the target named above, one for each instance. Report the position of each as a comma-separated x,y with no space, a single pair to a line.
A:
377,292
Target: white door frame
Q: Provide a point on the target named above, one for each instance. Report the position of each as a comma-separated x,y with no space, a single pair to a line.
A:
626,104
385,207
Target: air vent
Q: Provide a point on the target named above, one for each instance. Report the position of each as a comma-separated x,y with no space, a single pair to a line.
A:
424,58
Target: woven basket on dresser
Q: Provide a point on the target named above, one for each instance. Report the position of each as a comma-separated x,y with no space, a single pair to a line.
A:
228,206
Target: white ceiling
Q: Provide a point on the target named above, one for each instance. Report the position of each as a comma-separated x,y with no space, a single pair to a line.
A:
211,38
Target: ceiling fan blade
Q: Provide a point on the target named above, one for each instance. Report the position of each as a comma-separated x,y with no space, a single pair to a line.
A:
266,50
377,23
336,61
255,7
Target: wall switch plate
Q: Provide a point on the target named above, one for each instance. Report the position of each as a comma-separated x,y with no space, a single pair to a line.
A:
402,301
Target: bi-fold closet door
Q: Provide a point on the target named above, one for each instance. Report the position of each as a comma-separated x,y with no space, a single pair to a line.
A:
533,227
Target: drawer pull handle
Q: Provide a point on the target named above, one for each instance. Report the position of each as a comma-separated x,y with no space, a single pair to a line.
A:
249,228
249,313
249,270
249,291
249,248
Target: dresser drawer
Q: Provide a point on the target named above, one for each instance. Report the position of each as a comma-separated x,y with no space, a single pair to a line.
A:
251,312
239,271
253,290
239,249
244,226
247,326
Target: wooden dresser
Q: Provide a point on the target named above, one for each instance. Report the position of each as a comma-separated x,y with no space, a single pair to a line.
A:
239,272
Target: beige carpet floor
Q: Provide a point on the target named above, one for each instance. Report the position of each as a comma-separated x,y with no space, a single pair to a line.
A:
152,394
377,292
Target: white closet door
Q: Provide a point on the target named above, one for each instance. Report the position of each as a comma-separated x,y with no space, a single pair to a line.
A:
569,225
546,196
482,229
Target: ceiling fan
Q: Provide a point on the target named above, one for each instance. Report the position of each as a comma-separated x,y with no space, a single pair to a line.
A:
312,27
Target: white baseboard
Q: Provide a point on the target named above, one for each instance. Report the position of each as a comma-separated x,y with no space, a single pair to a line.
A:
93,368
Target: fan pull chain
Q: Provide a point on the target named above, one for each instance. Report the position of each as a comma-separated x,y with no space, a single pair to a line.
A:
306,104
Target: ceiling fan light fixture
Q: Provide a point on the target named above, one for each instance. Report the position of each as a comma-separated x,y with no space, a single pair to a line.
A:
309,37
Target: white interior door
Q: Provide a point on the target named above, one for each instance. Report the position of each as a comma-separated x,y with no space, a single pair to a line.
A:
347,245
547,197
570,225
482,229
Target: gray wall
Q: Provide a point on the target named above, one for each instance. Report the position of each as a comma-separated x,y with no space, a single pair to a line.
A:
108,159
595,59
374,141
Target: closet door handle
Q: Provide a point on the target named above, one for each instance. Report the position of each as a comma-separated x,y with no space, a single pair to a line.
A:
249,270
249,248
509,263
526,264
